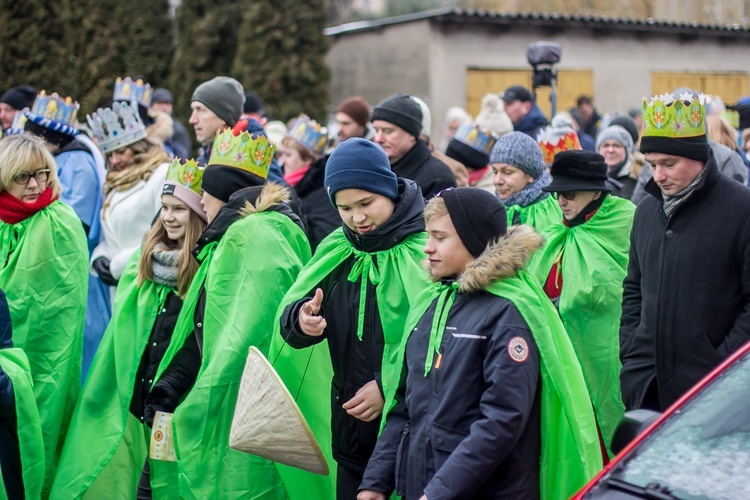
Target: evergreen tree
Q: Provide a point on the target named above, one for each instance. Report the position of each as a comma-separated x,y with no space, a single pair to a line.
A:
207,41
148,33
281,56
31,44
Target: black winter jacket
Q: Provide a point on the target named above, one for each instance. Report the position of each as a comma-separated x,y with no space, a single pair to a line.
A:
470,429
686,297
11,472
355,363
431,174
158,342
320,215
179,377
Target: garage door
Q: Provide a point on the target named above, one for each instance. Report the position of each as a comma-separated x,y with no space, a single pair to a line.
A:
729,86
571,84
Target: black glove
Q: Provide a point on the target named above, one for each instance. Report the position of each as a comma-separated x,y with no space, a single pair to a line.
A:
150,412
101,266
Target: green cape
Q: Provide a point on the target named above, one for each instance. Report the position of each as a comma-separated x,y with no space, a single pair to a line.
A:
106,445
245,276
594,264
13,361
538,215
45,276
307,373
570,442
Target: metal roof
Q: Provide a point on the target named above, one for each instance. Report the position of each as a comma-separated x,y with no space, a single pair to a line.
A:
553,21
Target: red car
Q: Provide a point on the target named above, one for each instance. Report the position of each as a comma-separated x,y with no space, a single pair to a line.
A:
698,449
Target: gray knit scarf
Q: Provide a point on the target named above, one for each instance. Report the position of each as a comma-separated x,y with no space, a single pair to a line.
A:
672,202
164,265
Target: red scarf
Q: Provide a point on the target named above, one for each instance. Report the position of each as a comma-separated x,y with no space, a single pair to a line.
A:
13,210
296,176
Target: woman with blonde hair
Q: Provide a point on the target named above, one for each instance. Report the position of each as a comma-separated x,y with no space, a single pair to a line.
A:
149,299
136,168
44,274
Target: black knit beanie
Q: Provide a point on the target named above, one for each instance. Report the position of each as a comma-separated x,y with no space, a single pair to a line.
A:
695,148
478,216
19,97
400,110
221,181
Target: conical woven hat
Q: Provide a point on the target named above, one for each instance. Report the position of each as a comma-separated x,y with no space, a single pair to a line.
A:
267,421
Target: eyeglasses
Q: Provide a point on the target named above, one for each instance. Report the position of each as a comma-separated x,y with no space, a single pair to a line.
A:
568,195
39,176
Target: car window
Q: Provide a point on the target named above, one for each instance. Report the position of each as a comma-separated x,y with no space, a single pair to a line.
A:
703,450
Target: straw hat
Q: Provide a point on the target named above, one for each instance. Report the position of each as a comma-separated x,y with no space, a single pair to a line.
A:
267,421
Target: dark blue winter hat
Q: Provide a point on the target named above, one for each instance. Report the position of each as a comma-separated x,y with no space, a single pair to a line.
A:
360,164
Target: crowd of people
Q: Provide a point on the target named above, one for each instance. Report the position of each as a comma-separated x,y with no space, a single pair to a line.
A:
468,317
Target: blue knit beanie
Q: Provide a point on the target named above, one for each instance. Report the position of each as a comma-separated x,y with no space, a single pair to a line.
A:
519,150
360,164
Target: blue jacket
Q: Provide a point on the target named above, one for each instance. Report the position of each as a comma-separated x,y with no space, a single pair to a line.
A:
532,122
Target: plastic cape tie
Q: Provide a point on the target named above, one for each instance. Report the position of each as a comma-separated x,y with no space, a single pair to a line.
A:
365,268
444,304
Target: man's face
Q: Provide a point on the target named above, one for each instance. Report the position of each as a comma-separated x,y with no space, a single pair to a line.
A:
517,110
7,113
673,173
348,128
394,140
166,107
586,111
205,123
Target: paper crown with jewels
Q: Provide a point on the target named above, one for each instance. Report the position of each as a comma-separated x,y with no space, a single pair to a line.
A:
310,134
54,113
127,89
553,141
188,175
118,126
476,137
674,116
243,152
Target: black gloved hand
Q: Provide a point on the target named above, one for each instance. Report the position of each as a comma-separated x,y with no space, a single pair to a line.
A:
149,413
101,266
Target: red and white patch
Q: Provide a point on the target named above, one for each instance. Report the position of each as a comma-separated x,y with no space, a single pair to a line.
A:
518,349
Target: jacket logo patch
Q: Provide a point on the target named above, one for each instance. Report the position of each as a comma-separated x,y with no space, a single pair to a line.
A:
518,349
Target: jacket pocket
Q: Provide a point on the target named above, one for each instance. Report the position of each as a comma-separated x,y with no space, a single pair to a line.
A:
444,442
402,462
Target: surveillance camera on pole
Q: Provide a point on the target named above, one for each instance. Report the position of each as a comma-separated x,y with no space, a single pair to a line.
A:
543,56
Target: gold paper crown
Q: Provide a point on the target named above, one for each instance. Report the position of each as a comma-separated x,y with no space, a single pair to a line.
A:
55,108
187,174
243,152
310,134
732,116
663,116
127,89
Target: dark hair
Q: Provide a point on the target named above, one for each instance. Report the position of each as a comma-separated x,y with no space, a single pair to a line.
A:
584,99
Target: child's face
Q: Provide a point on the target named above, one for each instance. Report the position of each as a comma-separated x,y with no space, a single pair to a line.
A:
446,253
363,211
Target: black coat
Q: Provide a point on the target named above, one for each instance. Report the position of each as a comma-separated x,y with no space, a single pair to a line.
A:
470,429
158,342
686,297
431,174
354,362
320,215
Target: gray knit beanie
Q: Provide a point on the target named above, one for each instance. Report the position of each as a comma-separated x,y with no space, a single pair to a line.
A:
402,111
519,150
616,133
224,96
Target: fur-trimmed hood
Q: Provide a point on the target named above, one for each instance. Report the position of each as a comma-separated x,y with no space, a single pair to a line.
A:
245,202
501,260
162,128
